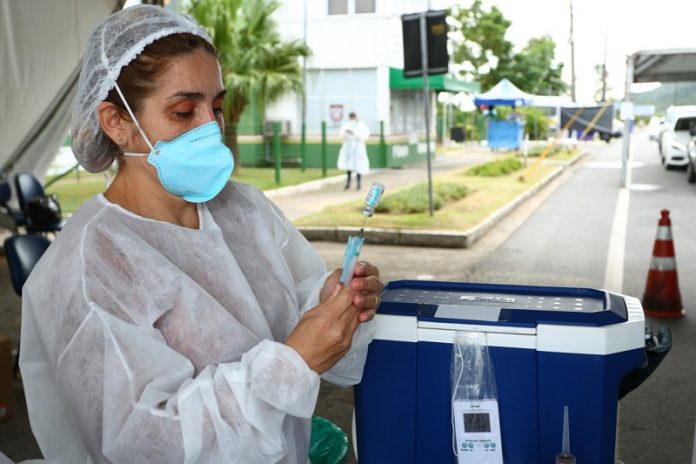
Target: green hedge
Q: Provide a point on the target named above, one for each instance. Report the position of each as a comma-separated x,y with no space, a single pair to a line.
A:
500,167
414,199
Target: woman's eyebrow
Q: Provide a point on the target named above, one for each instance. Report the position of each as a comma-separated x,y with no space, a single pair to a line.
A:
189,95
196,95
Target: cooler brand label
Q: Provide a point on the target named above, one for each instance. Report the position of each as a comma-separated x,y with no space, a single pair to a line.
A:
487,299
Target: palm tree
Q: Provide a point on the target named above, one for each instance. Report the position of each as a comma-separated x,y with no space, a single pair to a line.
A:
256,63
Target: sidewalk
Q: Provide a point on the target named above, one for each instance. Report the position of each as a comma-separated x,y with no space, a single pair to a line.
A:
305,199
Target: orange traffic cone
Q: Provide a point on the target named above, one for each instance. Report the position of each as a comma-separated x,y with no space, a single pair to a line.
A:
662,297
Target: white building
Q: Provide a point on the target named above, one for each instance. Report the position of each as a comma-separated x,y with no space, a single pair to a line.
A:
354,43
356,65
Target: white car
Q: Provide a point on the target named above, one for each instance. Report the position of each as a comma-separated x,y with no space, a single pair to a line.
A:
655,128
675,139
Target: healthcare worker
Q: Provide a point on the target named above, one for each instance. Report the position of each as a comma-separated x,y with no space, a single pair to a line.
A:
352,156
178,317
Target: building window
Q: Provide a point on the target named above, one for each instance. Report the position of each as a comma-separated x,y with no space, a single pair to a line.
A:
337,7
364,6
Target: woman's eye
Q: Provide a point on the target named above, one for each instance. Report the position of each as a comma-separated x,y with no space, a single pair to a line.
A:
218,112
183,114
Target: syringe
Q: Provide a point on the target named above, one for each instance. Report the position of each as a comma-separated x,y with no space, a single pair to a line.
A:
352,253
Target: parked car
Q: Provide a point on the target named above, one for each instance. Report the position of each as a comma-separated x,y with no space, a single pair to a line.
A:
675,139
691,167
655,128
672,113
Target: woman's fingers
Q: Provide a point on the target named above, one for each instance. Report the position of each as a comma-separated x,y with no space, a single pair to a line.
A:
370,284
367,301
363,268
367,315
324,334
329,285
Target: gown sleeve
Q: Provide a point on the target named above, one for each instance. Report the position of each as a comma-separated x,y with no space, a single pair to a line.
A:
309,273
104,385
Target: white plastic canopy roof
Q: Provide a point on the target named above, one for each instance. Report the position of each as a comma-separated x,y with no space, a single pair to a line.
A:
503,93
666,65
41,48
669,65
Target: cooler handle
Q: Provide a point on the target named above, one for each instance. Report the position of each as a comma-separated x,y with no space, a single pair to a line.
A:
656,348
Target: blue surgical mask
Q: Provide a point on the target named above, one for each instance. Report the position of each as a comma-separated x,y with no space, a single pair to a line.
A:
194,166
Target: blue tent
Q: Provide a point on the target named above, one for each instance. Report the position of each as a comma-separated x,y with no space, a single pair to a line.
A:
504,93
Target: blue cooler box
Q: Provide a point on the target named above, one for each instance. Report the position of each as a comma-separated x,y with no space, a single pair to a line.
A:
550,346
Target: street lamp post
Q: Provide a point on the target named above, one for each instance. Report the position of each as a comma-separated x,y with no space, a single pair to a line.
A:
627,115
426,96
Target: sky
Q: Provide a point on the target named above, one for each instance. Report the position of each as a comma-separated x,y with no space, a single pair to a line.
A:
628,26
619,26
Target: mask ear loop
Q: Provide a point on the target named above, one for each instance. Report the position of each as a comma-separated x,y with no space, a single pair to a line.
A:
135,120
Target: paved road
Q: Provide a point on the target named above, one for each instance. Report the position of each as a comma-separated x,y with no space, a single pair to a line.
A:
565,241
560,238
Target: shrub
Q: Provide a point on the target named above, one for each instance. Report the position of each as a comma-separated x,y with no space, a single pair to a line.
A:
537,150
500,167
414,199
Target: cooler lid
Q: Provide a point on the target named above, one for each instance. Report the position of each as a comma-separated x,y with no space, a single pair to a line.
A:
509,305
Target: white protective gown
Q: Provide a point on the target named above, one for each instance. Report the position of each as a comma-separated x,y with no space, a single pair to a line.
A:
353,153
143,341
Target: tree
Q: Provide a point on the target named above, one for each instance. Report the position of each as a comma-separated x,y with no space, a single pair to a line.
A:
255,62
603,87
486,56
479,43
533,70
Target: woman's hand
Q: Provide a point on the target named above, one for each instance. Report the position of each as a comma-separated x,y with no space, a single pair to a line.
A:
324,334
365,283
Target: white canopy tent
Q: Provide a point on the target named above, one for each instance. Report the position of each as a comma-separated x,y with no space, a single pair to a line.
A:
41,48
670,65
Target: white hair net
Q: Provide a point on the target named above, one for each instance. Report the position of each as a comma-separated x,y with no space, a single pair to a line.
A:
112,45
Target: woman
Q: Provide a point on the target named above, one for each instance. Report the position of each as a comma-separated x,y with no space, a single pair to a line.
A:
353,153
178,317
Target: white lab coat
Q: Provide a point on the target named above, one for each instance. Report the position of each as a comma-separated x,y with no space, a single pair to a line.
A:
143,341
353,153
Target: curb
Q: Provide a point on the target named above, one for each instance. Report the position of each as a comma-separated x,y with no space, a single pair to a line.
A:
434,238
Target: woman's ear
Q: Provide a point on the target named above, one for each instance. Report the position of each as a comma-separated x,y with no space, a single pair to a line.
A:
112,122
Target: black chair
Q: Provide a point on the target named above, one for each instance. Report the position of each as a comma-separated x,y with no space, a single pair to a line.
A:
22,253
10,218
28,188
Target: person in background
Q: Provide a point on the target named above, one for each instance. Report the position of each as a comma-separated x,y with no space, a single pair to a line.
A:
179,316
353,154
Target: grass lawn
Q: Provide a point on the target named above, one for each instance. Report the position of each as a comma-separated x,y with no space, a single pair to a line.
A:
73,190
555,153
264,178
486,194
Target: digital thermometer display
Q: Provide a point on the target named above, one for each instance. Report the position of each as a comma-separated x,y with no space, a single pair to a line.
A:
477,432
477,422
